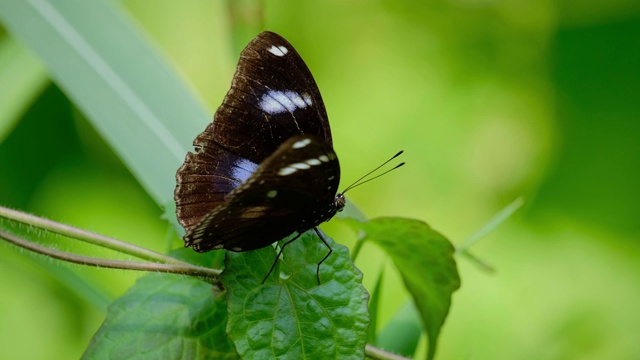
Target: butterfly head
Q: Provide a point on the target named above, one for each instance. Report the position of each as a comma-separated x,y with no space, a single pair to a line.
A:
339,202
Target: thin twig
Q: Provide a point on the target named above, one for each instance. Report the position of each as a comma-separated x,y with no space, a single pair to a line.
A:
379,354
88,236
184,269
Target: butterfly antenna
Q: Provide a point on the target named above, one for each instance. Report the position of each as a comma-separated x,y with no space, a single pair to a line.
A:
360,180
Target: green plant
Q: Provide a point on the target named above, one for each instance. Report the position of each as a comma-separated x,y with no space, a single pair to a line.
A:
189,317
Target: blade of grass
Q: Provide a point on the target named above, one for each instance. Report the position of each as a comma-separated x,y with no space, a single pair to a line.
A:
493,223
498,219
22,78
108,68
374,305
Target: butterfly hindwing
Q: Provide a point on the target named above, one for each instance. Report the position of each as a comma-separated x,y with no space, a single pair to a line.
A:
205,179
292,190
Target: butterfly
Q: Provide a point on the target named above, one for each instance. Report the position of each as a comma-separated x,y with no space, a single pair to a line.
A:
265,167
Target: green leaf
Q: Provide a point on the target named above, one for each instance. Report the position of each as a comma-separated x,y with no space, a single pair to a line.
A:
425,261
166,316
294,317
108,68
22,78
374,304
401,334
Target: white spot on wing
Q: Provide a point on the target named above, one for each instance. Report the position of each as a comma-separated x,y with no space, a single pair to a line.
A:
276,102
270,105
284,98
313,162
295,97
287,171
301,166
301,143
307,99
278,50
323,158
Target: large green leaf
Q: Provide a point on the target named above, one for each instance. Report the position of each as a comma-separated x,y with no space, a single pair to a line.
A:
22,78
111,72
425,261
293,317
166,316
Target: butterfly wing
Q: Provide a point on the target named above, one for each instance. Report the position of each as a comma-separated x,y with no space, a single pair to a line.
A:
206,178
220,194
292,190
273,97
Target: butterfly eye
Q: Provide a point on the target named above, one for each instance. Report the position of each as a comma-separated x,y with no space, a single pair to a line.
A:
339,202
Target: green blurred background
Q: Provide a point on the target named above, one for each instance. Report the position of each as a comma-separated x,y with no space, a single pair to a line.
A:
491,100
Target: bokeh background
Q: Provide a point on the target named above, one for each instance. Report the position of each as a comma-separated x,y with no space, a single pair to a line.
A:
491,100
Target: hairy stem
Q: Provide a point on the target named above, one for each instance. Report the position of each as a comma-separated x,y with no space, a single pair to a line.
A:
379,354
157,262
88,236
184,269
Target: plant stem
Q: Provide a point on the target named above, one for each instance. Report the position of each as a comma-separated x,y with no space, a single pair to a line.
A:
158,262
379,354
88,236
184,269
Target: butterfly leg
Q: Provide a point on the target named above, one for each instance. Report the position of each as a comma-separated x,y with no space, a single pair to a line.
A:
280,254
326,256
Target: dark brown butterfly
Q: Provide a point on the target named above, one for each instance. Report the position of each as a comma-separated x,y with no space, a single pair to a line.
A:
265,167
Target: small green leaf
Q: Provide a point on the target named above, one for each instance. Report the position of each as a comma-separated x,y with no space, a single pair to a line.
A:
425,261
401,334
295,318
165,316
374,304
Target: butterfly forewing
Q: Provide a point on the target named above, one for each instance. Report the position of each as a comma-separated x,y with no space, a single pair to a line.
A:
292,190
273,97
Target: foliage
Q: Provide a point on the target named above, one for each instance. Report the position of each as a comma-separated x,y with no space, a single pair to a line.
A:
165,314
491,101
